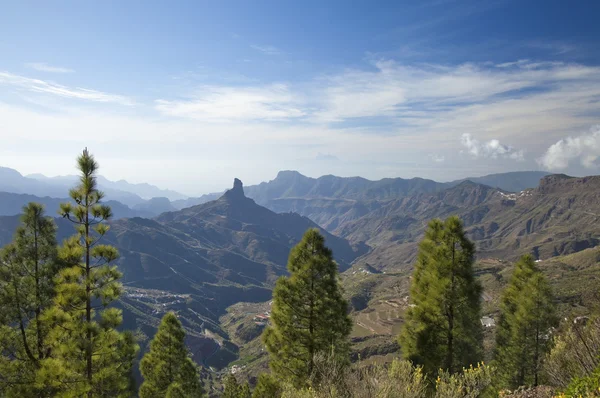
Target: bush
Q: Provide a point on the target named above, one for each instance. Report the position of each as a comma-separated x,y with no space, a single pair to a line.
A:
398,380
575,353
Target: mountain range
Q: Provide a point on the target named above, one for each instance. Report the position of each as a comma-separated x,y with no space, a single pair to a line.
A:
289,191
201,260
215,263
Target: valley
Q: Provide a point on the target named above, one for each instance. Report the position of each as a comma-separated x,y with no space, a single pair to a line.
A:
215,263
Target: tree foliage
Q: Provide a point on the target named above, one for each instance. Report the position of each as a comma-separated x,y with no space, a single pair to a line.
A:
233,389
267,386
90,357
309,315
442,328
526,316
28,267
167,367
575,352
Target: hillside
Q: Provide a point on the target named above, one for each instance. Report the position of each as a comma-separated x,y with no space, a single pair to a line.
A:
215,263
558,217
201,260
331,201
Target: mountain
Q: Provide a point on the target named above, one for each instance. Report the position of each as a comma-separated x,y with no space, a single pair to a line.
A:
155,206
143,190
12,204
331,201
12,181
558,217
200,260
189,202
516,181
556,221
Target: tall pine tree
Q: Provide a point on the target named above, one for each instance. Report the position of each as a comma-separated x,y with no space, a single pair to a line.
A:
27,270
308,315
526,315
443,330
167,368
90,357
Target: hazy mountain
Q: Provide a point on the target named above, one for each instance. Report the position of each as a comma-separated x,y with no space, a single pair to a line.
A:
143,190
155,206
12,204
58,187
516,181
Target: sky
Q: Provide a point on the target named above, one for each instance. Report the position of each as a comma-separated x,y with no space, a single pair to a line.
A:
187,95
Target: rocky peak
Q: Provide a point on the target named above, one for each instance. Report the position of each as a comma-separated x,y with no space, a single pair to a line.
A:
561,183
237,192
554,182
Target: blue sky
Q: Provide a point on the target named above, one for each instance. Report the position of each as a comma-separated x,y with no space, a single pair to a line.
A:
188,95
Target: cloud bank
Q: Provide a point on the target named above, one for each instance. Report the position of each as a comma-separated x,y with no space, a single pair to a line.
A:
491,149
583,149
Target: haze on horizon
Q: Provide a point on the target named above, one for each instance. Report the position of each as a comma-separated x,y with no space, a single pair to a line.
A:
188,96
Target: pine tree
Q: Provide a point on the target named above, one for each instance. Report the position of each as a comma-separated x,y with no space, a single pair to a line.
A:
526,315
231,387
442,330
308,315
167,368
90,357
28,266
245,391
267,386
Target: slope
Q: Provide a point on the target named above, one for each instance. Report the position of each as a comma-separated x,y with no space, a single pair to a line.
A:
201,260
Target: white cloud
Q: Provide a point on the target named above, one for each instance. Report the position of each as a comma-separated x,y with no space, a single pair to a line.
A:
491,149
273,102
422,108
44,67
584,148
45,87
268,50
415,93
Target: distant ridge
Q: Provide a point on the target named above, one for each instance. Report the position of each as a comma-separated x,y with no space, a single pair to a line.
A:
514,181
291,184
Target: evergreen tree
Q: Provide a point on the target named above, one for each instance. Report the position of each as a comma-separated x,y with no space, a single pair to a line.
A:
90,357
526,316
442,330
267,386
308,315
167,368
28,266
231,387
245,391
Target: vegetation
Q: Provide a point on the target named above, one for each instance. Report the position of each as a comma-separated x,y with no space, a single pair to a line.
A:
29,266
523,334
267,386
167,368
59,332
89,356
442,329
233,389
399,379
309,316
575,354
